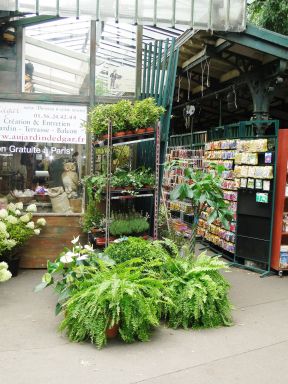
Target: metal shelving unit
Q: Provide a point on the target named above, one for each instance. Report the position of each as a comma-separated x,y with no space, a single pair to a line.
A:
112,195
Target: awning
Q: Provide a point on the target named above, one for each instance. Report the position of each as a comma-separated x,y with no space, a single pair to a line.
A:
227,15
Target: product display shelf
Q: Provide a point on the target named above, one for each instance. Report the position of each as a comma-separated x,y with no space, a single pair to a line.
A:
172,177
127,194
222,152
279,258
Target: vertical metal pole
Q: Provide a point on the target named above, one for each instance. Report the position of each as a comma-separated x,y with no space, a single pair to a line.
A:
108,183
19,59
156,92
173,21
139,49
149,68
170,73
155,13
144,72
153,68
37,7
163,72
192,14
157,181
92,64
77,9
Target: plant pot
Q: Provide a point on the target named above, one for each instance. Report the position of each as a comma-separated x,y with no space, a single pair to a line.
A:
105,137
149,130
112,332
119,134
13,261
130,133
100,241
140,130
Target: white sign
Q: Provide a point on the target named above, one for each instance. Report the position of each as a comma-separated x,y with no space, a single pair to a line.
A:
42,123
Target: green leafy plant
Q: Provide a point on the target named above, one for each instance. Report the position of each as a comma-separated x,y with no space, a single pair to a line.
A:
145,113
270,14
199,293
205,193
92,216
121,115
122,296
71,267
95,186
98,119
127,224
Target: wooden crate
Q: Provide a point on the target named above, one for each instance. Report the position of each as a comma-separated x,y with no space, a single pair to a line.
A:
58,233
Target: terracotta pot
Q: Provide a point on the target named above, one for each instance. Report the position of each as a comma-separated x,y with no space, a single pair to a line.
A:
105,137
130,132
112,332
119,134
149,129
140,130
100,241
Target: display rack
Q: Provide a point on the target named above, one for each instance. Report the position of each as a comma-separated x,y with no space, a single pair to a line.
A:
150,192
255,173
181,212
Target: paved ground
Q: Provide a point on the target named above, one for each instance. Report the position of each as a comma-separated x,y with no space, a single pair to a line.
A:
254,350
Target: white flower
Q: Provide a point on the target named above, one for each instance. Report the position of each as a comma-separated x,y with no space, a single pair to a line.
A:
31,208
41,222
3,213
68,257
25,218
19,205
18,212
12,219
37,231
11,207
75,240
88,247
5,275
9,243
30,225
3,227
3,265
82,257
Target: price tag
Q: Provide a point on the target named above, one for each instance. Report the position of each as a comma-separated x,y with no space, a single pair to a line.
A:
262,198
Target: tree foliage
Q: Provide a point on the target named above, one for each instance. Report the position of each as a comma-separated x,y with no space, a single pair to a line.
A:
270,14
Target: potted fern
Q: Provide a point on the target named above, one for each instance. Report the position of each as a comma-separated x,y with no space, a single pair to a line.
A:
117,298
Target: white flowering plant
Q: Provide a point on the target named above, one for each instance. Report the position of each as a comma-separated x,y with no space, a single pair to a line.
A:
71,267
16,226
4,273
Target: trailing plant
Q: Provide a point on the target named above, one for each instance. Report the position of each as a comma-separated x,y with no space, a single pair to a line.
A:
92,217
145,113
205,193
122,296
95,186
199,293
71,267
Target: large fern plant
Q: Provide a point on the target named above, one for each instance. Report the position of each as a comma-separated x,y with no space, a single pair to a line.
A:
123,296
199,293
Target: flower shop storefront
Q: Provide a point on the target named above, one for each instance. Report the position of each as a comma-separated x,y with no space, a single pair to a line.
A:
42,160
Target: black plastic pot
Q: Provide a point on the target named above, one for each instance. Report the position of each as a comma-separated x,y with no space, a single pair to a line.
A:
13,261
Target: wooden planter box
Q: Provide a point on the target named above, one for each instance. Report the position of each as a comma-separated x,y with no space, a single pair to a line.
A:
58,233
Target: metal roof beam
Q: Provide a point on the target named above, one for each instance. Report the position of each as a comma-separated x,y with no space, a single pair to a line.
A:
260,40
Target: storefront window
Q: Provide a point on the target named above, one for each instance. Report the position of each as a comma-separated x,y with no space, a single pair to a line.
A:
7,60
116,59
42,155
57,57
